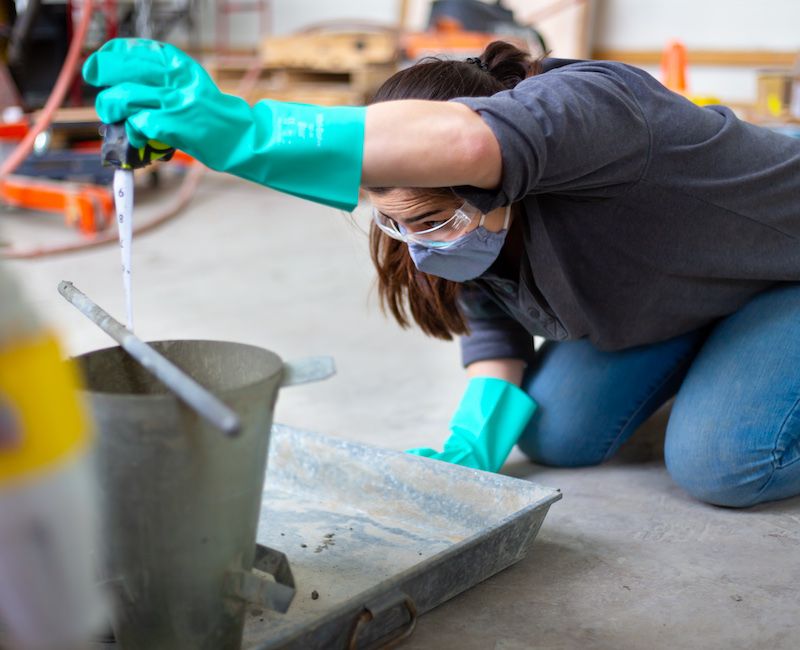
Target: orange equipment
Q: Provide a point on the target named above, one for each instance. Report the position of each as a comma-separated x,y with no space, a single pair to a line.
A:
673,67
88,207
448,36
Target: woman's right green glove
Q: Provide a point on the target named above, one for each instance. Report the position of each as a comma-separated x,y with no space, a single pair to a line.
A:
162,94
492,415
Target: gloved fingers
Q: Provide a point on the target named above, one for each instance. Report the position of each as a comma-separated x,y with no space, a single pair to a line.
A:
135,60
454,455
135,137
144,125
456,450
125,45
465,448
177,127
427,452
488,445
108,69
119,102
161,125
142,48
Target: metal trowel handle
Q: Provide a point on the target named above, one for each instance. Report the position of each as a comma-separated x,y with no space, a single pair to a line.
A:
200,399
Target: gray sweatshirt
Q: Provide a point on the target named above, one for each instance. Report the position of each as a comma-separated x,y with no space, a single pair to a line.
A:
645,216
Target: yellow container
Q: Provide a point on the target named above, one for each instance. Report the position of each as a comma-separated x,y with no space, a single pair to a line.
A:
774,93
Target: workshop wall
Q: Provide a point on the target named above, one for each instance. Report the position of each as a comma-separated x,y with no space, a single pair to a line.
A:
727,25
626,25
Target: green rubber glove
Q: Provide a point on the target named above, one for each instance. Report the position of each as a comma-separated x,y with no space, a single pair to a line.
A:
485,427
162,94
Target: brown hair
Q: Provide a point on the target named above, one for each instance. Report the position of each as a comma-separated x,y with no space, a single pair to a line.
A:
431,300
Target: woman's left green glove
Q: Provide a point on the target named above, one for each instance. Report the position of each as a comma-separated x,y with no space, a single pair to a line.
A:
492,415
162,94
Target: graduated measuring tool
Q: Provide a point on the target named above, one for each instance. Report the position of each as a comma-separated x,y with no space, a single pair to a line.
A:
117,152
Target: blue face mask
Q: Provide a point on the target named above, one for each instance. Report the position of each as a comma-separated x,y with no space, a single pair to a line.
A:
466,258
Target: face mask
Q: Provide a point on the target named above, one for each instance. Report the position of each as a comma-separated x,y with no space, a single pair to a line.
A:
467,258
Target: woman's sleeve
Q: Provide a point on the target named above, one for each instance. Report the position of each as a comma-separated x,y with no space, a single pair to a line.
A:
493,334
573,129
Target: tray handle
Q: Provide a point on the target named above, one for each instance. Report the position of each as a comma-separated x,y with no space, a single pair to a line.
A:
375,608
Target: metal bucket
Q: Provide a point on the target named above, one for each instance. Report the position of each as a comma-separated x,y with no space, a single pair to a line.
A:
180,502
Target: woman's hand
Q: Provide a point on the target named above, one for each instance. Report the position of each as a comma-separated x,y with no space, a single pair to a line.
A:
159,92
492,415
163,94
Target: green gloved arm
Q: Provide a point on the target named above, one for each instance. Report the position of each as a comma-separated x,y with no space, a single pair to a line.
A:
485,427
162,94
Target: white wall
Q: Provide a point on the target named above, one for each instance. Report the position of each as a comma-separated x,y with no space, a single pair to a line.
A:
290,15
619,24
704,25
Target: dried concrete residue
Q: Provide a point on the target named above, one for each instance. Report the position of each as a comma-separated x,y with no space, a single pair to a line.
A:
326,542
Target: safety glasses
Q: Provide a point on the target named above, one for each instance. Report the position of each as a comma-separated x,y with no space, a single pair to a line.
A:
440,236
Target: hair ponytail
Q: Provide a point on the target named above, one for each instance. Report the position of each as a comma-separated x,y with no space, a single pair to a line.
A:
508,64
501,66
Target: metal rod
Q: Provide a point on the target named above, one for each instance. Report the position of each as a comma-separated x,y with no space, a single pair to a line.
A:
185,388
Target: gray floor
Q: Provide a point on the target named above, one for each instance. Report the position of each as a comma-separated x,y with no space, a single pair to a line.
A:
625,560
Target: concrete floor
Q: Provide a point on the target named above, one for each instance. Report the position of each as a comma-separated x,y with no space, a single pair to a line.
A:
625,560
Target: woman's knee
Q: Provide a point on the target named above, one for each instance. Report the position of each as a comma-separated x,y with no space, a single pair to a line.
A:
590,401
733,437
714,473
560,441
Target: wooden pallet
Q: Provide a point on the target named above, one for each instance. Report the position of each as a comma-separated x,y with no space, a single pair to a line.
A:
306,85
330,51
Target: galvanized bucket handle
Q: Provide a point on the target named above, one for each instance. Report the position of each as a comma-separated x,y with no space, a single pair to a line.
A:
251,588
304,371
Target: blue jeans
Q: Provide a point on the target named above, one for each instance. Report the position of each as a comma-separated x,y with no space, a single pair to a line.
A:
733,437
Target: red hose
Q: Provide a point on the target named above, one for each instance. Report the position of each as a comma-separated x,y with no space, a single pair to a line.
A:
65,77
24,148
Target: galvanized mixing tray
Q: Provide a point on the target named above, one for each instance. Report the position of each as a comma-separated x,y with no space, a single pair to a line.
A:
376,538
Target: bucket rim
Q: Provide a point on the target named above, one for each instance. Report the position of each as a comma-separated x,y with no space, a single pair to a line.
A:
169,396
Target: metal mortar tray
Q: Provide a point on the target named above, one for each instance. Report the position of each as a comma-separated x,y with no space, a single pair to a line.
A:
376,538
